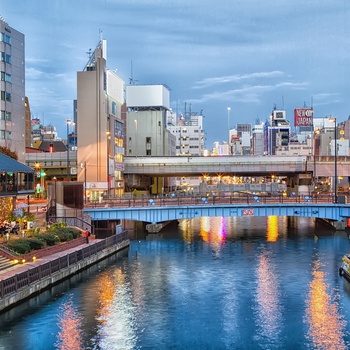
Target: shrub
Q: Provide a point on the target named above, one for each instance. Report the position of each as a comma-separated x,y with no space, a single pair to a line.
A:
49,238
36,243
20,246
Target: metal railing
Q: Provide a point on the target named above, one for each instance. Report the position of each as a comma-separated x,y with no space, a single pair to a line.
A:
24,279
215,200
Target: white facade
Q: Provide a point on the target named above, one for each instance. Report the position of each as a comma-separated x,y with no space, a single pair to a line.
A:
12,86
146,96
342,148
189,136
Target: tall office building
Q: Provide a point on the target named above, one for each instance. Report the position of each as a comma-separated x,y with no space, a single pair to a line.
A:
276,132
12,86
100,129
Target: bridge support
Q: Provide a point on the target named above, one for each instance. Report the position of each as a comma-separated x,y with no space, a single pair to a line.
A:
155,228
300,184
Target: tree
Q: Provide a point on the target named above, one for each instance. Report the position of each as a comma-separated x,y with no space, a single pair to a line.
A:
8,152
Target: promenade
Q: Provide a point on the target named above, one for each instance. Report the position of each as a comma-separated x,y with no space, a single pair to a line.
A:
22,281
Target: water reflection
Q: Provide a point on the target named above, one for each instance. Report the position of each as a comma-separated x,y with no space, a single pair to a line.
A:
326,324
115,316
213,232
70,335
267,295
272,228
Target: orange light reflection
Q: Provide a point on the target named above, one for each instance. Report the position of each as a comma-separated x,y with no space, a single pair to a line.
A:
326,325
269,312
69,323
272,228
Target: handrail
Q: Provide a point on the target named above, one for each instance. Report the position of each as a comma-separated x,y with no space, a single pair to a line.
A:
23,279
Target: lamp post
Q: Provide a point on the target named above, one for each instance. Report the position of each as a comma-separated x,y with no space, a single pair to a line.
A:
68,164
335,160
135,143
55,179
316,132
228,124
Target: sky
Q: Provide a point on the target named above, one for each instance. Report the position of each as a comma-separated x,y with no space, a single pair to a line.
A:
249,55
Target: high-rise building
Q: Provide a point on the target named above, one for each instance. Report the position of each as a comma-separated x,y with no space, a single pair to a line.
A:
276,132
100,129
12,86
189,134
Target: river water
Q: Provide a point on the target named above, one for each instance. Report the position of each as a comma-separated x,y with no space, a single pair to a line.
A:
208,283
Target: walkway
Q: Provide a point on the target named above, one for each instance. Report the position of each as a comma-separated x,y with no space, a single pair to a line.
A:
19,268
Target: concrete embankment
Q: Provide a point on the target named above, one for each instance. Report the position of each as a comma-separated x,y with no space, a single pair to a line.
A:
24,281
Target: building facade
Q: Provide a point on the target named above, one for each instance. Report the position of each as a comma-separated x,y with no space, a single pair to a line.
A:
100,136
12,86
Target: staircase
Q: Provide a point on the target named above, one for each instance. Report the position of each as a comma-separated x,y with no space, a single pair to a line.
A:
5,263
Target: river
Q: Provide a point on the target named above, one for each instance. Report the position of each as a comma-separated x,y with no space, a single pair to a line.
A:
208,283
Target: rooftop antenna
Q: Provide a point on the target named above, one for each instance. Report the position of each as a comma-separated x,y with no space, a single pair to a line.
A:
131,80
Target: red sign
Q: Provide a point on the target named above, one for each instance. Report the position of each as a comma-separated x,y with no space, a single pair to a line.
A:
248,212
303,116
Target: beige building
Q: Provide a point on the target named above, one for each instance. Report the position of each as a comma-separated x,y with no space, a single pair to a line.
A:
100,135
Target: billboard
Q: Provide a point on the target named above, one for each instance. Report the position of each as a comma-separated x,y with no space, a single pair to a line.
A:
303,116
148,96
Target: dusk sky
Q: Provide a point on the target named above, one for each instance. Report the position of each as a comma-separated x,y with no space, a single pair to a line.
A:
248,55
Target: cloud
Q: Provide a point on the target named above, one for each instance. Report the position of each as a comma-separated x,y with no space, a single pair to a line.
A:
236,78
248,94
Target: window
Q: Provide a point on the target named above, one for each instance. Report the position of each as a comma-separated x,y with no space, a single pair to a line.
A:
148,152
5,57
6,38
5,96
5,135
5,115
6,77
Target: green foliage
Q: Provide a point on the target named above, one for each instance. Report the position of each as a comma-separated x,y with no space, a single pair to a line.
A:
21,245
55,226
56,233
49,238
36,243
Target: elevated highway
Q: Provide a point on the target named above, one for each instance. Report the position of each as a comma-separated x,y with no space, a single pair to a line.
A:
235,165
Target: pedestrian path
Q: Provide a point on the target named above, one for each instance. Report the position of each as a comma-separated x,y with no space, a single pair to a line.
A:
22,267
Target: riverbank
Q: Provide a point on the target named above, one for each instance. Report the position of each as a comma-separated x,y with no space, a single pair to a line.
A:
20,282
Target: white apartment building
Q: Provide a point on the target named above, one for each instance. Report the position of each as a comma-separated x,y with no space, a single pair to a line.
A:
12,86
189,135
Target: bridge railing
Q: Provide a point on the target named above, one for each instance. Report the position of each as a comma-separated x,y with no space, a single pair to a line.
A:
215,199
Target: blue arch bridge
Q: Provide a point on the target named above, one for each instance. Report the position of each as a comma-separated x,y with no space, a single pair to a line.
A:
157,211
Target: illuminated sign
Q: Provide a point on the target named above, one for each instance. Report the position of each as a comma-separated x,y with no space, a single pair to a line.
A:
303,116
248,212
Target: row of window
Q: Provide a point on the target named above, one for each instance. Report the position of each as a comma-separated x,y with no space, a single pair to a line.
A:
5,77
185,131
5,135
5,96
5,38
5,115
5,57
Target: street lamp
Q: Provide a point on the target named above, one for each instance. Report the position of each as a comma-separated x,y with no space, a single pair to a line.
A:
335,160
316,132
55,179
68,165
228,123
